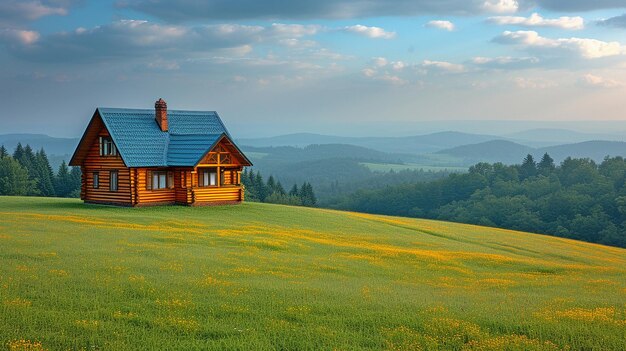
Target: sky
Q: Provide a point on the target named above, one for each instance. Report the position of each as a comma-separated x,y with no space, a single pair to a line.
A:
343,67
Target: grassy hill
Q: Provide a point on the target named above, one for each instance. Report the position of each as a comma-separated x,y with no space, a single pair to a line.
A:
258,276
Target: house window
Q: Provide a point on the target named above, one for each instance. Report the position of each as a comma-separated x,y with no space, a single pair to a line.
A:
96,180
113,181
107,148
159,180
207,177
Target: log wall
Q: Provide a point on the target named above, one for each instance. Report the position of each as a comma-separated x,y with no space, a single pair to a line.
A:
104,165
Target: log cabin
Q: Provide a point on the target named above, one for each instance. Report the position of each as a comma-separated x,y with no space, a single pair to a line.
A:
136,157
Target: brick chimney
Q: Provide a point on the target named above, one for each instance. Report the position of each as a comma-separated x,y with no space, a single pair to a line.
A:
160,108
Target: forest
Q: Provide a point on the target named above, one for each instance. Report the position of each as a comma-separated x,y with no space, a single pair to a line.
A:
27,172
576,199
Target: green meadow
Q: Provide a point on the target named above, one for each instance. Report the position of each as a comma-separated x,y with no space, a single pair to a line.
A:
269,277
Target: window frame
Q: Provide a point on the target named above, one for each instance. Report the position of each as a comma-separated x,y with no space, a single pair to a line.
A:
114,185
107,147
158,175
206,173
96,180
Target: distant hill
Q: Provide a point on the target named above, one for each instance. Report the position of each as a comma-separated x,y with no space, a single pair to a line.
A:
595,150
555,136
490,151
52,145
418,144
510,152
320,152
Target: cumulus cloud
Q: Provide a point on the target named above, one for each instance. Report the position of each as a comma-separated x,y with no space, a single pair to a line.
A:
533,83
440,24
17,11
585,48
535,20
617,21
504,62
370,32
443,66
136,38
501,6
594,81
18,36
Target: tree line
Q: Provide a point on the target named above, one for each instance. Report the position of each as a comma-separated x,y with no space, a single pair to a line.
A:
26,172
272,191
577,199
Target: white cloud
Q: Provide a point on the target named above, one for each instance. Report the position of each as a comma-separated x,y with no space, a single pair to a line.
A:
369,72
371,32
16,11
294,30
440,24
139,38
533,83
535,20
18,36
594,81
380,61
585,48
297,43
502,62
500,6
398,65
443,66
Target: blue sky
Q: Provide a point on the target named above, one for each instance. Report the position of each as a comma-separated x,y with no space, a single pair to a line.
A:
340,67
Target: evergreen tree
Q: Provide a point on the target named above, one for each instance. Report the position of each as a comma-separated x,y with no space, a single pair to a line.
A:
75,182
307,196
294,191
62,182
546,165
3,151
19,152
271,185
44,174
279,188
260,186
14,178
528,167
247,178
25,156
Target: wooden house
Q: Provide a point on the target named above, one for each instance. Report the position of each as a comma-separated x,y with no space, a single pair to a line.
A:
134,157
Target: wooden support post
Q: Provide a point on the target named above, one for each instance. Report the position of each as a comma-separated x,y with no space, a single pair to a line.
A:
219,174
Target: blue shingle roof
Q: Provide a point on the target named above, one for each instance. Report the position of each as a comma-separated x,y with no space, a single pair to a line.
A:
141,142
186,150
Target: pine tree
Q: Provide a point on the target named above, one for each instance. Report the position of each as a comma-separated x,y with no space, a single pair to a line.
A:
279,188
260,186
19,152
75,182
247,178
44,173
307,196
271,185
546,165
3,151
294,191
62,182
528,167
26,158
